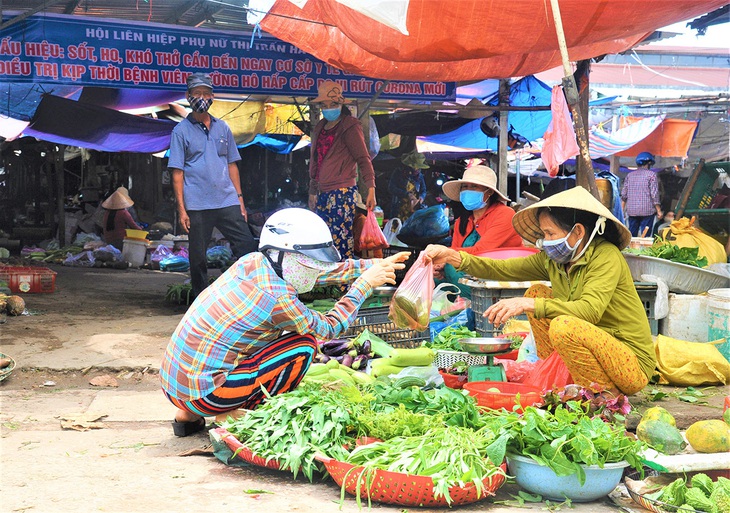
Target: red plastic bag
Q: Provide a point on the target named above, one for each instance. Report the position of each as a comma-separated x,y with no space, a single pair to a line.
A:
372,236
560,143
410,306
549,373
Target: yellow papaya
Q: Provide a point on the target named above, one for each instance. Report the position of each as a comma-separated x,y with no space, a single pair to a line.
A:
661,436
709,436
659,413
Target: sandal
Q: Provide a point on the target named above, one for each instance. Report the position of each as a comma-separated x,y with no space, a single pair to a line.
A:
188,428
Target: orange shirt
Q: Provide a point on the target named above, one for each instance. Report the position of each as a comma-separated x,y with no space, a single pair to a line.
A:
495,230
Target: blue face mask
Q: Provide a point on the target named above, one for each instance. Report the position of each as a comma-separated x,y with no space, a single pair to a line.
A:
332,114
472,200
559,250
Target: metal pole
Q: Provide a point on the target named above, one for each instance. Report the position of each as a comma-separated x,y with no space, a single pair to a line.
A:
585,176
502,141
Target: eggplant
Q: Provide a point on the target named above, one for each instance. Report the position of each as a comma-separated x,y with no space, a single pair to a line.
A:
323,358
347,360
360,362
365,347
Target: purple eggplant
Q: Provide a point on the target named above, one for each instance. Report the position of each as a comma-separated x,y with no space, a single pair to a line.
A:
365,347
360,362
323,358
347,360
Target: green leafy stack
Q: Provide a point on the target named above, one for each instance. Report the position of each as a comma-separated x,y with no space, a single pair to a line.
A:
673,253
701,495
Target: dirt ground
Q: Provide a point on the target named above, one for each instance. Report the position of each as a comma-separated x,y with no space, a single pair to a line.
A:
115,324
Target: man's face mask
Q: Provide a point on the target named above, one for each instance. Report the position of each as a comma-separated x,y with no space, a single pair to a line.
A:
200,104
472,200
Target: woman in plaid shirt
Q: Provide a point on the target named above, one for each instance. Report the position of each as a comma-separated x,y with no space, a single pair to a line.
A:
249,329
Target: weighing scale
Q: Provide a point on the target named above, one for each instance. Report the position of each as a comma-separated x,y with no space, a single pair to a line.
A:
488,347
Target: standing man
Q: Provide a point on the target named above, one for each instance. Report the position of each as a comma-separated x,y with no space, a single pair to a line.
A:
640,196
203,156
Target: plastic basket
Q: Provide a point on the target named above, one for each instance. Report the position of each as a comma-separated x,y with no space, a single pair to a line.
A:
647,294
507,396
403,489
241,452
4,373
482,298
445,359
453,380
28,279
651,504
376,321
392,250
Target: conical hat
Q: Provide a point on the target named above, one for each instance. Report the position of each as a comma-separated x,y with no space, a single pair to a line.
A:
117,201
526,223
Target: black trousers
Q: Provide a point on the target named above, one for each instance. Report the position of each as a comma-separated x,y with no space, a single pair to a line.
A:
234,228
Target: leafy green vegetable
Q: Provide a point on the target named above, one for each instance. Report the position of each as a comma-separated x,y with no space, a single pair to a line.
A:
448,338
672,252
451,456
564,439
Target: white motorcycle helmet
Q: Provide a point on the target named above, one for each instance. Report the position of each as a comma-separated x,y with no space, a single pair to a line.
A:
297,230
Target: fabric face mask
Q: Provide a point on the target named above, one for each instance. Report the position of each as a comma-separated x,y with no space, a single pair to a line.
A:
200,105
472,200
301,271
331,114
559,250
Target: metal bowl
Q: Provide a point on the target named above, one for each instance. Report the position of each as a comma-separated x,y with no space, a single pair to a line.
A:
483,345
384,291
680,278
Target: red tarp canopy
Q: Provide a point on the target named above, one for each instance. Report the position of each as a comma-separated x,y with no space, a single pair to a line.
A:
458,40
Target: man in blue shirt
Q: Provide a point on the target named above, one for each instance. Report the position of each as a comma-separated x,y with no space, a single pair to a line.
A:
205,180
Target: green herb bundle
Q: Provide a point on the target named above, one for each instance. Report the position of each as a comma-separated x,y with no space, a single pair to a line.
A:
291,428
448,338
451,456
672,252
564,439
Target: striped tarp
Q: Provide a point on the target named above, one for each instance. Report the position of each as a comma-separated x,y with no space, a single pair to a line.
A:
603,144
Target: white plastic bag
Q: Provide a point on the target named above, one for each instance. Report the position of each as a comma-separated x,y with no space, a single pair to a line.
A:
528,349
661,303
391,229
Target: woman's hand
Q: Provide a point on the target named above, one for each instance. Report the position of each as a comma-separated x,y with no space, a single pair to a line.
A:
502,310
443,255
312,202
399,257
381,272
370,202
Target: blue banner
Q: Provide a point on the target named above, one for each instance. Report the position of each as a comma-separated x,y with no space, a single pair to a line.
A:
87,51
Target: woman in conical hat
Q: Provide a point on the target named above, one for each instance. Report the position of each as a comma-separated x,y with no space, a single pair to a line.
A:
117,218
591,315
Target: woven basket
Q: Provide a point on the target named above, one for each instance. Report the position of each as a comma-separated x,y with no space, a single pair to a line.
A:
241,452
651,504
445,359
403,489
4,373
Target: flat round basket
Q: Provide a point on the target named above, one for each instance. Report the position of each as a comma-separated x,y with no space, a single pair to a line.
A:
632,481
243,453
403,489
6,371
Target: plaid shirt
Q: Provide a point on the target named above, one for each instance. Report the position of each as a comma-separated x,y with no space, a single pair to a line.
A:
641,193
245,309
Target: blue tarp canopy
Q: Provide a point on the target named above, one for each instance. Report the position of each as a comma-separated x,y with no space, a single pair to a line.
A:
278,143
526,92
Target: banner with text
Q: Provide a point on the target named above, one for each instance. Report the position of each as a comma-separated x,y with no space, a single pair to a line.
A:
91,52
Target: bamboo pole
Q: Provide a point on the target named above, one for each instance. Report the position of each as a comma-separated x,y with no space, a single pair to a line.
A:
502,140
584,175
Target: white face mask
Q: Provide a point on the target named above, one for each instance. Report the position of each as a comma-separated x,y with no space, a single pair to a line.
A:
301,271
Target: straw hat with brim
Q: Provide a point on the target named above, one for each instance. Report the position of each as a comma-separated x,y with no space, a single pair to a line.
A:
415,160
117,201
526,222
331,91
479,175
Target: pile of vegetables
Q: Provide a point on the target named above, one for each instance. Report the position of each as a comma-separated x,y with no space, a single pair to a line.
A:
451,456
564,439
448,338
671,252
700,494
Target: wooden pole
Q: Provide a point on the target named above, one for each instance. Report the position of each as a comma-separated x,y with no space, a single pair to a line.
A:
58,152
502,141
584,174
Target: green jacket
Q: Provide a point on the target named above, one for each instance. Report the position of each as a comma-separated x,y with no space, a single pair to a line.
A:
598,289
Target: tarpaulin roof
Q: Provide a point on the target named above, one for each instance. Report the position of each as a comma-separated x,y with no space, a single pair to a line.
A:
63,121
467,39
603,144
526,92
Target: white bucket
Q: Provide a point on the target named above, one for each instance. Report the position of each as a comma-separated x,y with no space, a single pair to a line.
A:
718,313
134,252
687,318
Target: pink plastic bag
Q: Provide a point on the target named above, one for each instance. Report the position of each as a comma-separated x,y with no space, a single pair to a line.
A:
560,143
549,373
411,304
372,236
